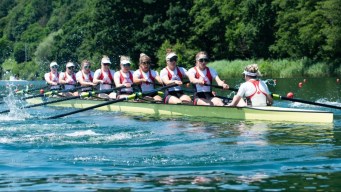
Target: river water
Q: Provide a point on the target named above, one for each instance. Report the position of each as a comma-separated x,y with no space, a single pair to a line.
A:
99,151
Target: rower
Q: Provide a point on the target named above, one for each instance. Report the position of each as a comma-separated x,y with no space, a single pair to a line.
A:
124,77
68,79
174,74
85,76
52,77
256,91
145,77
104,77
201,75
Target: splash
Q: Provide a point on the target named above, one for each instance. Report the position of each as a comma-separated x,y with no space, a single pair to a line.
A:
13,104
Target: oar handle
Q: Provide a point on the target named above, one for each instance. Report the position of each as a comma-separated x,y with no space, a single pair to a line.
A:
304,101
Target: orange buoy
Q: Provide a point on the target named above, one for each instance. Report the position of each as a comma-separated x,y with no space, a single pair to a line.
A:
41,91
290,95
300,84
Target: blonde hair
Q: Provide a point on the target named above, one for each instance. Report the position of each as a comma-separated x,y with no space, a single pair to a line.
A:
85,61
200,53
253,68
143,56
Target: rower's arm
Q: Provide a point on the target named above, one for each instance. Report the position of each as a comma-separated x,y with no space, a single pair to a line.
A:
221,83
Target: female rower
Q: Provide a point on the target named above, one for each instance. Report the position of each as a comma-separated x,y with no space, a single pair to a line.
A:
256,91
104,77
201,75
145,77
174,74
85,76
124,77
52,78
68,79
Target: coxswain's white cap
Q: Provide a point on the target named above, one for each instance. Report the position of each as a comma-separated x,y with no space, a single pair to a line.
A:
105,60
170,56
70,64
53,63
250,74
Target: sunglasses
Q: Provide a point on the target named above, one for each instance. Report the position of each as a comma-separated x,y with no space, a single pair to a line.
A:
71,68
106,64
203,60
126,65
173,59
87,67
54,67
146,63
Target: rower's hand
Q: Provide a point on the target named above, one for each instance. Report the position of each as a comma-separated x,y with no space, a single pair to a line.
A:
178,82
54,83
225,86
127,85
200,81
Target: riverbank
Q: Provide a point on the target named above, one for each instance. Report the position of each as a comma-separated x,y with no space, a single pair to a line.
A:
277,68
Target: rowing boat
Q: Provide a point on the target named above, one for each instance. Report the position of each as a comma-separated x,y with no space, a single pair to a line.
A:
277,114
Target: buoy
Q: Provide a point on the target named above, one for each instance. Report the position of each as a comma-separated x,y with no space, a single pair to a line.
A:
337,80
41,91
300,84
304,80
290,95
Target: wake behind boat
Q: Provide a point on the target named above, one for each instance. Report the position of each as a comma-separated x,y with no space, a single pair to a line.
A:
277,114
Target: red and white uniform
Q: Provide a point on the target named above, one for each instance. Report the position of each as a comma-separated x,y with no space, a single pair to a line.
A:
149,76
54,77
70,80
208,74
177,74
85,77
124,78
106,76
255,91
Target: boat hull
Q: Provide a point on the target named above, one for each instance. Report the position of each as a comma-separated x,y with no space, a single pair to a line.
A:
237,113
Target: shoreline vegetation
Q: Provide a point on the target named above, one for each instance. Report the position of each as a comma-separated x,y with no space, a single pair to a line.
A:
283,68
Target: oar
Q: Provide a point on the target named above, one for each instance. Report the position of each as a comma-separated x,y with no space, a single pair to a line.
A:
220,87
132,96
54,92
44,103
304,101
88,94
30,90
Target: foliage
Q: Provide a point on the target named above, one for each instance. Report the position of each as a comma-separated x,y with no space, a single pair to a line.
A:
273,33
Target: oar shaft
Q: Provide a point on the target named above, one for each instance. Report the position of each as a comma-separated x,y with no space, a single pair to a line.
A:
87,108
49,102
304,101
220,87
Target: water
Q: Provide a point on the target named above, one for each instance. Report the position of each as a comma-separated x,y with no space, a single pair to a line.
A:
98,151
